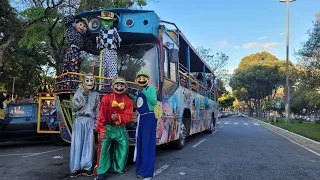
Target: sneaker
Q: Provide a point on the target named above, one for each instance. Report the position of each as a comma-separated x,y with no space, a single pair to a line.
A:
140,176
74,174
100,177
86,173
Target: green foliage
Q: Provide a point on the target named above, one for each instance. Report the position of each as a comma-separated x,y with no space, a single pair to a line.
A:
226,100
33,13
35,33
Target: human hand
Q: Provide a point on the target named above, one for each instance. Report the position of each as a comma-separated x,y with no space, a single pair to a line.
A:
114,116
101,135
140,88
86,92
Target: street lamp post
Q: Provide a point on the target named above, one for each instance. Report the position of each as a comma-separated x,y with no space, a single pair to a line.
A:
14,80
287,63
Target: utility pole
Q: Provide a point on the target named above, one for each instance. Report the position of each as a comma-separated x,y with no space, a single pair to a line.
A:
287,62
14,80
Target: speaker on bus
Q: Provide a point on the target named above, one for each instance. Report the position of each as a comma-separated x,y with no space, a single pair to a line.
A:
94,24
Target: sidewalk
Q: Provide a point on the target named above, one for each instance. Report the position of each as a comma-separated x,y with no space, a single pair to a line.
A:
309,144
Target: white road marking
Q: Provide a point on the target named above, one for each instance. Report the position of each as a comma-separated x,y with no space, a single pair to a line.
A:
226,123
219,122
214,131
35,154
294,142
313,161
256,124
221,127
200,141
157,172
246,124
235,123
4,155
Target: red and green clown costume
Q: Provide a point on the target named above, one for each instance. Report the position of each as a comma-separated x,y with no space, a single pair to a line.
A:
115,130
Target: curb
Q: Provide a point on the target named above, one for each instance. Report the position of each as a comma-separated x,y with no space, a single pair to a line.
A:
292,133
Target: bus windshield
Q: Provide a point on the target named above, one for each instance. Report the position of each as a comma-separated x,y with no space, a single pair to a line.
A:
138,57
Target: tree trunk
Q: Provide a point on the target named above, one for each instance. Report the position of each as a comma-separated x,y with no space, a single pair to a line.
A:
2,49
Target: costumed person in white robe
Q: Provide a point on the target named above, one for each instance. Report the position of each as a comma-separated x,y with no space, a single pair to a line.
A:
85,106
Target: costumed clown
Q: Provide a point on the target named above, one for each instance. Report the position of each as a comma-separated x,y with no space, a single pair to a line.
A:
116,110
85,106
77,38
108,42
145,149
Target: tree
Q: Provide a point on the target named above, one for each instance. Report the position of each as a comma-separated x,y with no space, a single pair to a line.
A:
226,100
86,5
257,78
9,22
216,62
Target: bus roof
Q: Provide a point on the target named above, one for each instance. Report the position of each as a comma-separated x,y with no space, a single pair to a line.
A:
115,10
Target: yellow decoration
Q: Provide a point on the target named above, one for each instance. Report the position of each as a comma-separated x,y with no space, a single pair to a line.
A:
116,104
157,110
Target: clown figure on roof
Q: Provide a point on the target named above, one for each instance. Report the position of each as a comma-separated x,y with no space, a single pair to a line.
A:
108,41
77,37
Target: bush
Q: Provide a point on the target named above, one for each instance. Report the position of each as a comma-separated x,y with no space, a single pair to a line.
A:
317,121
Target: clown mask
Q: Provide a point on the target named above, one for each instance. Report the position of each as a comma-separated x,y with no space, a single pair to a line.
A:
81,26
89,81
142,80
119,86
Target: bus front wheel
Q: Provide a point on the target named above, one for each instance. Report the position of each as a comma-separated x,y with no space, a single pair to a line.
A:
179,144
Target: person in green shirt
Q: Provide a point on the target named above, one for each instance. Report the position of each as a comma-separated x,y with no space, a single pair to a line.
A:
145,149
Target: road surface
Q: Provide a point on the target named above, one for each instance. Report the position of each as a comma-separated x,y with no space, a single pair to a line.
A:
240,148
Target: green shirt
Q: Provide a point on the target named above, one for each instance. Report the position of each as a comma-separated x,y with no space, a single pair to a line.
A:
151,95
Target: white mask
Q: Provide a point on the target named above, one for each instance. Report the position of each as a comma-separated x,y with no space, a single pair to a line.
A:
89,82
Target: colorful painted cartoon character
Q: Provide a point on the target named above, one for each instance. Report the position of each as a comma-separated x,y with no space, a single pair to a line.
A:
145,149
85,106
77,39
108,41
116,110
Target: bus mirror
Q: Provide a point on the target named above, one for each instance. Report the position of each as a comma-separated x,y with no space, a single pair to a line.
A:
174,55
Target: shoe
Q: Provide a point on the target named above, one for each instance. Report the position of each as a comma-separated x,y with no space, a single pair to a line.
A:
75,174
140,176
100,177
86,173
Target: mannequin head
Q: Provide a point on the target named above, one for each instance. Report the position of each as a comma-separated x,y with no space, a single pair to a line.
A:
142,78
89,82
81,25
119,86
107,19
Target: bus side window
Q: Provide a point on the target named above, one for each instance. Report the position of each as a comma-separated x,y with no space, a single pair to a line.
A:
173,72
166,63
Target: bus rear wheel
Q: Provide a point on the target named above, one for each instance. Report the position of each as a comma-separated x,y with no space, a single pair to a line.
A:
179,144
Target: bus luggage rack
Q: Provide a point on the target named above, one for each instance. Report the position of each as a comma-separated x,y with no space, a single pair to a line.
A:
63,83
195,85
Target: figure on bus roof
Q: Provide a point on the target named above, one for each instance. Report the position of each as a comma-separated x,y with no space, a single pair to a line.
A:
108,42
77,37
116,111
145,149
85,106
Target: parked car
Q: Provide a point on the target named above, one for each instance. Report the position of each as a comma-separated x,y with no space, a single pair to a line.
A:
20,123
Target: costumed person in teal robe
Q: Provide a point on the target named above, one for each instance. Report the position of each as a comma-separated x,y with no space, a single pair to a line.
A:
85,106
145,149
116,110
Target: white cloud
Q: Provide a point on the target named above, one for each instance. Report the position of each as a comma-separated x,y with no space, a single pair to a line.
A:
281,34
266,46
222,43
231,69
236,47
264,37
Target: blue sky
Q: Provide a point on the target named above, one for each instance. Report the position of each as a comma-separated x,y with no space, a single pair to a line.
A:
240,27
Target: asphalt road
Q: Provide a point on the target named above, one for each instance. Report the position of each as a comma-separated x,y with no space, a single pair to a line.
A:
239,149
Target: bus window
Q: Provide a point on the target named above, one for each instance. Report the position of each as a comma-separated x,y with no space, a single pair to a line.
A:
173,72
166,63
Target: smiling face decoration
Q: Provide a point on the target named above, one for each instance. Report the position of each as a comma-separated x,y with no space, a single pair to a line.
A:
81,25
119,86
142,78
89,81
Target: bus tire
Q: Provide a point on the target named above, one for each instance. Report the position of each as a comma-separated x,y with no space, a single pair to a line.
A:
179,144
212,125
57,140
